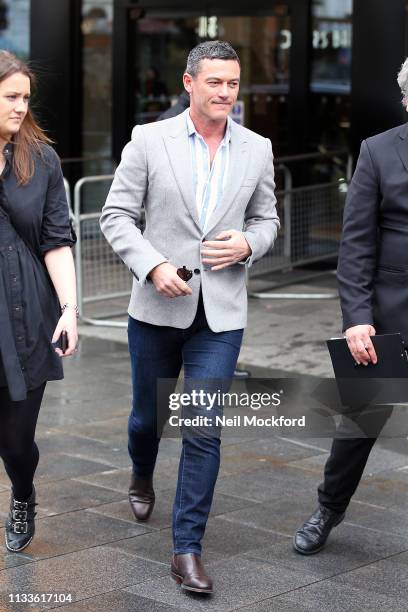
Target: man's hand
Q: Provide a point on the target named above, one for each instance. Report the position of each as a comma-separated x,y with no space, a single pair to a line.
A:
167,281
228,248
360,345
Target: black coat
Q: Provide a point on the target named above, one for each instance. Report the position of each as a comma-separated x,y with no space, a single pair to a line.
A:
373,258
34,219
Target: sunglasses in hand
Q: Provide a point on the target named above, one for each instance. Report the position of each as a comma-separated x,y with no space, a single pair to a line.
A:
184,273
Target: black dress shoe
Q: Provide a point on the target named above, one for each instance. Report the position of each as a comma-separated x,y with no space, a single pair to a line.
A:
141,497
188,571
20,526
312,535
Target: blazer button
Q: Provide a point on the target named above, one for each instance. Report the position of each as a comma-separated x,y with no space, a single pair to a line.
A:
196,271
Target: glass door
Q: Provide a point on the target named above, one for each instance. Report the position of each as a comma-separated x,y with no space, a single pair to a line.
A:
159,42
330,77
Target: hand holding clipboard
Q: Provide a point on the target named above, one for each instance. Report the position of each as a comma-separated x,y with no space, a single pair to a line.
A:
386,380
360,344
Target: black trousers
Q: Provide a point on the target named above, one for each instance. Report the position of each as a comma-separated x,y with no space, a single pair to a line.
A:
355,437
18,421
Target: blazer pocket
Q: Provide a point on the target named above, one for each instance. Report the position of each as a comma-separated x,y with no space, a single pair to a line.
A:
250,182
390,277
392,269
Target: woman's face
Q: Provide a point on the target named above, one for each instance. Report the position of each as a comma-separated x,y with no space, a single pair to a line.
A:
14,96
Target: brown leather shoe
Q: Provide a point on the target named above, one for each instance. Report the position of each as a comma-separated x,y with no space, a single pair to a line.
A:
141,497
188,571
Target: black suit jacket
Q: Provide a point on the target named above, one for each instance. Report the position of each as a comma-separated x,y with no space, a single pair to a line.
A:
373,259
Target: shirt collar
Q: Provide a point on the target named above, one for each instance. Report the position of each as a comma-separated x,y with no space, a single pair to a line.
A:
192,130
8,150
8,156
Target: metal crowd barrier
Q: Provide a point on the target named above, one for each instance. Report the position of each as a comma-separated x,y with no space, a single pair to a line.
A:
102,278
311,222
68,194
311,219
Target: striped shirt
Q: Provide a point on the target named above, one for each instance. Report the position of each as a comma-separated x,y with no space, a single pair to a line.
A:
209,180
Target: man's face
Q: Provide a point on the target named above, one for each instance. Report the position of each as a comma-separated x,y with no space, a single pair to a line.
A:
214,90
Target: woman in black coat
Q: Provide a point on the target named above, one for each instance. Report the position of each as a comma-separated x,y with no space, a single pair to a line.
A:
37,287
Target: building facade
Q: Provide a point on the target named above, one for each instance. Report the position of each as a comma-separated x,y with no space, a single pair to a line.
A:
316,74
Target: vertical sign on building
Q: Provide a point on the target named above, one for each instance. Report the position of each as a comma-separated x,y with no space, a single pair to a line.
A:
238,112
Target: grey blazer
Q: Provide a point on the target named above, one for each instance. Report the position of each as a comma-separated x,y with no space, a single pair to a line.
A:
155,172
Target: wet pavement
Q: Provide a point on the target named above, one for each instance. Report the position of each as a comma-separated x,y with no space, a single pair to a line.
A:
87,544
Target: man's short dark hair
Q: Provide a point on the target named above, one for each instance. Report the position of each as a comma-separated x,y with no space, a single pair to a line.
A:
211,49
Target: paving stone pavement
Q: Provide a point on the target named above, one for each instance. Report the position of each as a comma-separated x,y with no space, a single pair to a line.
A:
87,543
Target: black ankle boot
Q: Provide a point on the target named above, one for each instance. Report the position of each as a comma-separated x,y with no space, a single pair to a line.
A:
20,526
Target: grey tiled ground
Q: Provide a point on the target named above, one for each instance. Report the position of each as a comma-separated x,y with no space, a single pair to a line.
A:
88,544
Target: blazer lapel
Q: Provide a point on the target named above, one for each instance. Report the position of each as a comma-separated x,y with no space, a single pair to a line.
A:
178,150
402,145
236,175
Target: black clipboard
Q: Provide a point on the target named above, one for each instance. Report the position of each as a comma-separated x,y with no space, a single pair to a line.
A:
386,382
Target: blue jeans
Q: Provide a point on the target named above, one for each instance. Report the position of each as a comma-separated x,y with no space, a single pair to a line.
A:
159,352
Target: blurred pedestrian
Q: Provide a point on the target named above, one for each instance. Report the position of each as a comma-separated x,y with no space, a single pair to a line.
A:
37,287
182,102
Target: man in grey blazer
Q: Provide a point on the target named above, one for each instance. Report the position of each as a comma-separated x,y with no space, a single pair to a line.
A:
207,187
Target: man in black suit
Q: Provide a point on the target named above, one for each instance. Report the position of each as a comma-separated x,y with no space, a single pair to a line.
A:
373,285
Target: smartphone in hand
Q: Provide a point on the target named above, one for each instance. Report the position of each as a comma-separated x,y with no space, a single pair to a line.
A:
62,342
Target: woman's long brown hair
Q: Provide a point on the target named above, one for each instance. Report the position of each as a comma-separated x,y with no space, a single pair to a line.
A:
30,136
